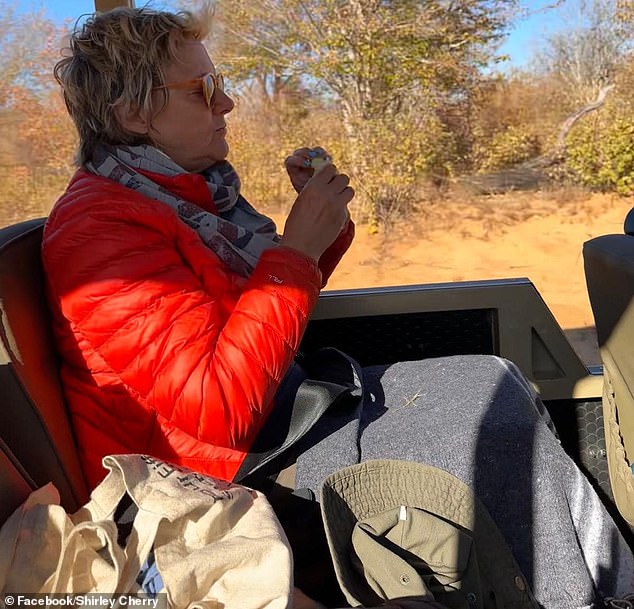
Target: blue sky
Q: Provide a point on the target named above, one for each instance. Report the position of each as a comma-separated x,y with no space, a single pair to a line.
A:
67,9
527,35
537,21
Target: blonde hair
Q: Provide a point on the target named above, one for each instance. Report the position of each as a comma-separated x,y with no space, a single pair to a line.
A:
115,59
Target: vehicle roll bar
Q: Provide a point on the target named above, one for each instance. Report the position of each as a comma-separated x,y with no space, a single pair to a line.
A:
106,5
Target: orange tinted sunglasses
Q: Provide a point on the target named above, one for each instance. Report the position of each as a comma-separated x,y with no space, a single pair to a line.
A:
209,83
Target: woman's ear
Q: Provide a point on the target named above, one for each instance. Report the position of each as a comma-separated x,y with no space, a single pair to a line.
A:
132,119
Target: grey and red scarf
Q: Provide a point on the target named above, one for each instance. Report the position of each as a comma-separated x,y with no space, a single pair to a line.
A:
238,235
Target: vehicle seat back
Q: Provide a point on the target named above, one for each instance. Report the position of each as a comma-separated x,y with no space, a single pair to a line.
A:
15,483
34,421
609,269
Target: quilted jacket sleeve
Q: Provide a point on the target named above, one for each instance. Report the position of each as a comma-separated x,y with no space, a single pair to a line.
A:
148,304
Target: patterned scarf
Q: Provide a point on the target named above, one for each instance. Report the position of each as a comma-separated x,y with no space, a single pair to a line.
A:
238,235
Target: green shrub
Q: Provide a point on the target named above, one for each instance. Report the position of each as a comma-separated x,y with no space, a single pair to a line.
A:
600,152
389,158
506,148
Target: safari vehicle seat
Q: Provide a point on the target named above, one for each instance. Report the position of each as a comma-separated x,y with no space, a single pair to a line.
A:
609,269
15,483
35,431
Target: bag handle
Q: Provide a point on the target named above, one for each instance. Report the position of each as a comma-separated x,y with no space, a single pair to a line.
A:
85,543
103,503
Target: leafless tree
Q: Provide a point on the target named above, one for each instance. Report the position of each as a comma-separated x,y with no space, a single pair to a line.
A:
587,57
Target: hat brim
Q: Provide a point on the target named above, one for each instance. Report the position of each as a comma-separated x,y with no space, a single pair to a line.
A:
361,491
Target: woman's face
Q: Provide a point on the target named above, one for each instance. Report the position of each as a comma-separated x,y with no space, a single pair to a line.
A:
187,130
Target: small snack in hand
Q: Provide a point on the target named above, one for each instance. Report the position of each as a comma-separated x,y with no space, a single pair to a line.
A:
318,162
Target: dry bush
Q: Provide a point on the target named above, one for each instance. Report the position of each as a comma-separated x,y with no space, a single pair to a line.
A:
387,160
256,153
39,139
45,139
566,194
624,81
261,136
27,192
516,119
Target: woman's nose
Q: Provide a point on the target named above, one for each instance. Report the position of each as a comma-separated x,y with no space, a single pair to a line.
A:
223,104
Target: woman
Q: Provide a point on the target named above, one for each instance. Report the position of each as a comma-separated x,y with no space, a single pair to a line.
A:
178,313
135,364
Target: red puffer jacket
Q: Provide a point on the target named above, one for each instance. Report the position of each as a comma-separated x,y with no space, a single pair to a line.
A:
165,350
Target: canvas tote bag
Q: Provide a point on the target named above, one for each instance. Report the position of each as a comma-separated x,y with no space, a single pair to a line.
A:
216,544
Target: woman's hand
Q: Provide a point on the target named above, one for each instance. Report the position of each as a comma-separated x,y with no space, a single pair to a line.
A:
319,213
299,168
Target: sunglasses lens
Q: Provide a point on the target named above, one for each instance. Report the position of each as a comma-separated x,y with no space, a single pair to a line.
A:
212,82
209,87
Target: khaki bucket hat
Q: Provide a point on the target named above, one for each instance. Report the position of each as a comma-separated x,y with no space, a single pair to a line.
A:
403,530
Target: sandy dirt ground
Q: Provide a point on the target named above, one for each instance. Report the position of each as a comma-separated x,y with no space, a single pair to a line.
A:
535,236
